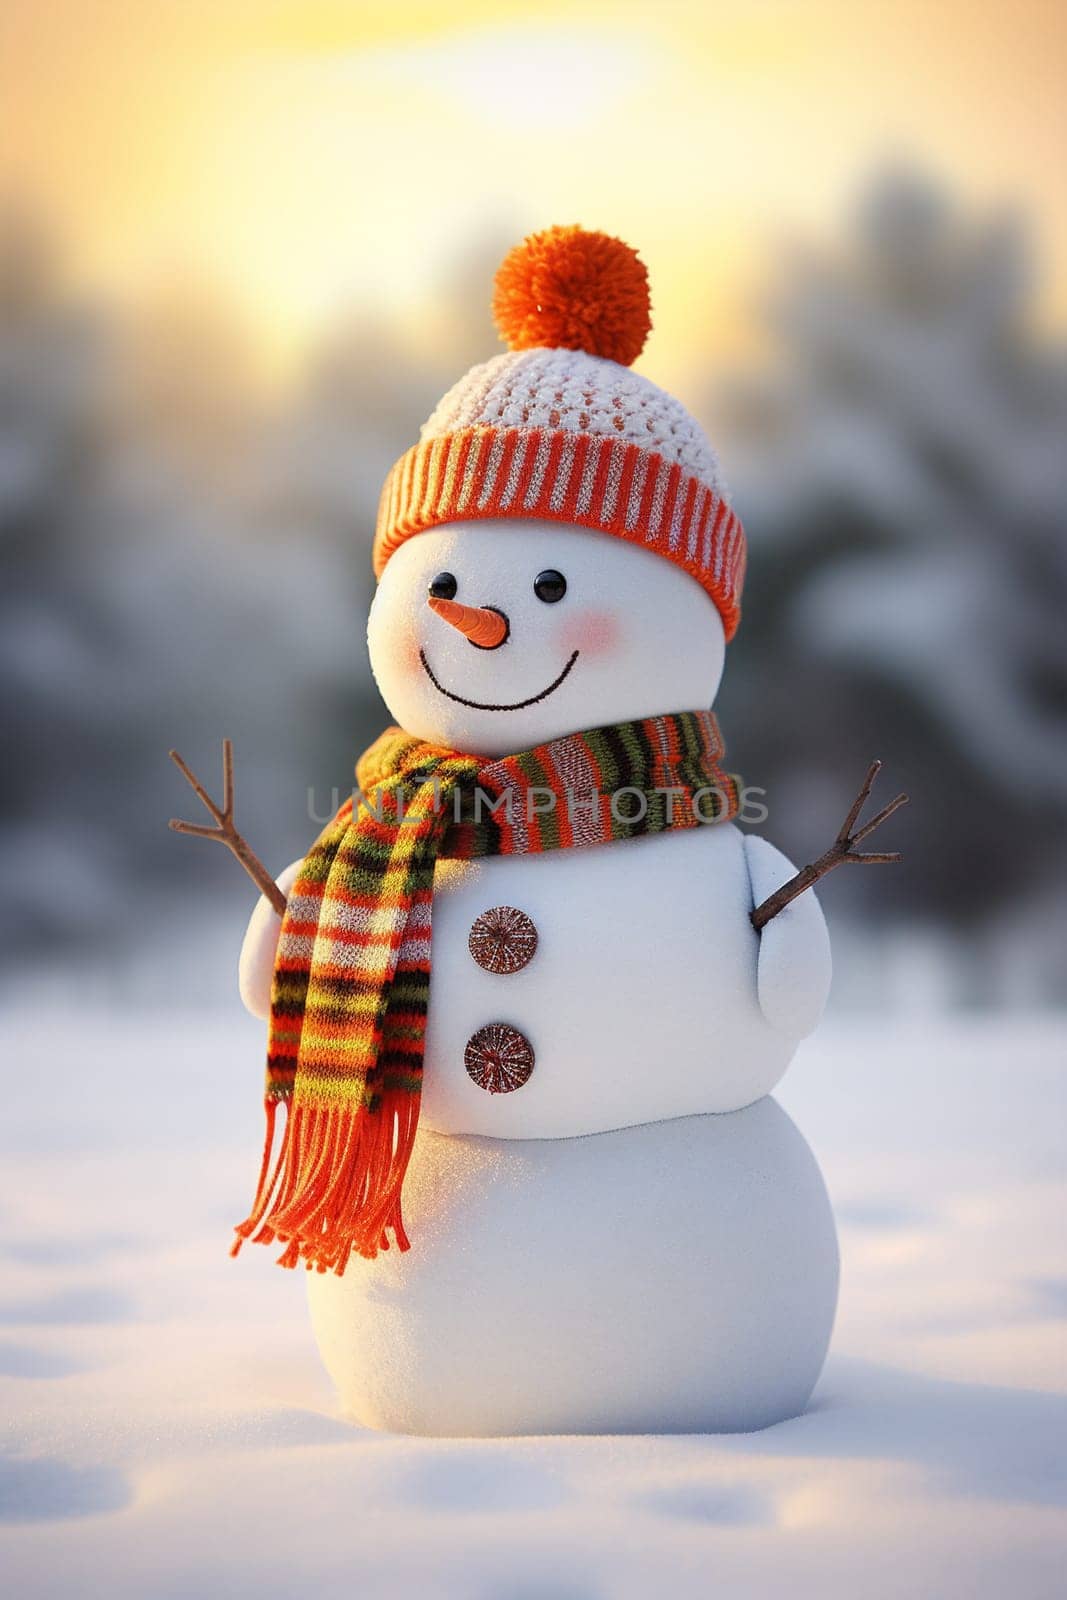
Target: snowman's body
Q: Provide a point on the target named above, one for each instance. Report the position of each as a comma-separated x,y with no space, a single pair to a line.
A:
638,1238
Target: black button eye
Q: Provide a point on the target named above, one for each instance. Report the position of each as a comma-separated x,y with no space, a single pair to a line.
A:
443,587
550,586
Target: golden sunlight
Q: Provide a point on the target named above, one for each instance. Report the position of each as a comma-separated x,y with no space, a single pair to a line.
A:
310,158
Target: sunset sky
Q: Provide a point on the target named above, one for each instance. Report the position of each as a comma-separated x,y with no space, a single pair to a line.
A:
311,155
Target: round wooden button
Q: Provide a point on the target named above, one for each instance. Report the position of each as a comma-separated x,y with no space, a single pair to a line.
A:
498,1058
503,939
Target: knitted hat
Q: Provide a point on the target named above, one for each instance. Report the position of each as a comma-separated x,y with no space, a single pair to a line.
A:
559,428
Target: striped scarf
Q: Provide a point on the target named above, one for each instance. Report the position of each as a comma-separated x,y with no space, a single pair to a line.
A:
352,973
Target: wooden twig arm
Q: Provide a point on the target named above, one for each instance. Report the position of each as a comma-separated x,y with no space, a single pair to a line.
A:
225,830
842,850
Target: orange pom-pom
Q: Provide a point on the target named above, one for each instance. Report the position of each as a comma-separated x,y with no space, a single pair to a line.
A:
572,290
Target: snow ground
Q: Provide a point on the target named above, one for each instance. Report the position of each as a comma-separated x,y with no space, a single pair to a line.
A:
169,1433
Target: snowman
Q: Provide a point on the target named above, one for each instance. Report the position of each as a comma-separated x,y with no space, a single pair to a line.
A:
533,987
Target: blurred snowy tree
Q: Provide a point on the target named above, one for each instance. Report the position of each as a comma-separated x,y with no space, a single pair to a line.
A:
902,475
180,561
142,605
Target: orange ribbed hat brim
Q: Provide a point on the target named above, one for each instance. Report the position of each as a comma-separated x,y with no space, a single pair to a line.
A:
584,479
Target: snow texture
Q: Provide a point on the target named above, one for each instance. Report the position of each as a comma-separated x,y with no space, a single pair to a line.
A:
169,1432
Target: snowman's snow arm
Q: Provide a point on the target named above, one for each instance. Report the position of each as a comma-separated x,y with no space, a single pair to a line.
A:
793,965
255,970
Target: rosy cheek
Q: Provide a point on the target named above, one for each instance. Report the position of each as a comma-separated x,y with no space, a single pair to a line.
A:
407,654
593,633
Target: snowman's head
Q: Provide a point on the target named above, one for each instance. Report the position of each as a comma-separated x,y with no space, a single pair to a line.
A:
558,551
491,637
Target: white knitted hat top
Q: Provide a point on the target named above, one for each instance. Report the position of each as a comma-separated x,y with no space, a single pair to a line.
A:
579,393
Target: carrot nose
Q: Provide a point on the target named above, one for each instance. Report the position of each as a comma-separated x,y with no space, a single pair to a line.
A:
481,625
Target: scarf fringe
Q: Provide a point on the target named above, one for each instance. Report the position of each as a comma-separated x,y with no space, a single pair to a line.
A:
335,1183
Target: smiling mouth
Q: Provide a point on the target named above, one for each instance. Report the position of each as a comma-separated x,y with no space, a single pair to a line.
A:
480,705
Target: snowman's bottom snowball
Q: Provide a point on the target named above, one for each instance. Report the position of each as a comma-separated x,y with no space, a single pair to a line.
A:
679,1276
